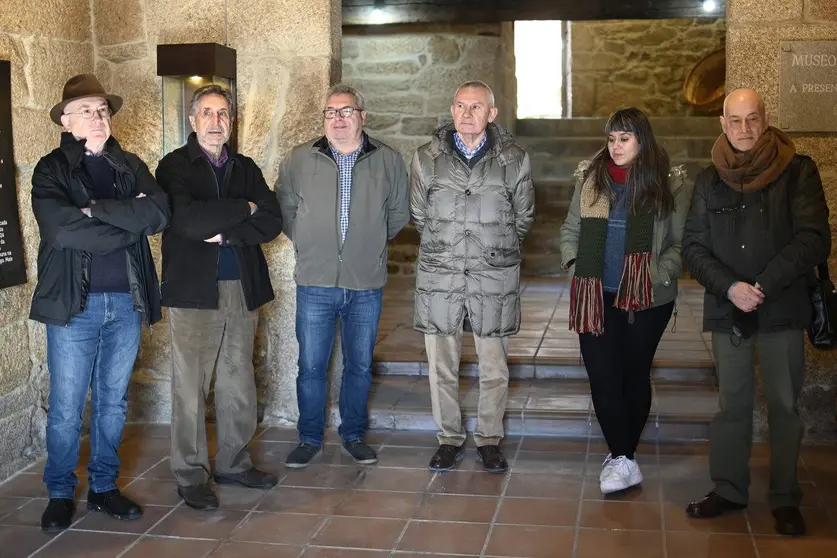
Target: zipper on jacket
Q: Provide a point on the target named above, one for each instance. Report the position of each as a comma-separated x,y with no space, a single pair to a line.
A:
337,229
337,238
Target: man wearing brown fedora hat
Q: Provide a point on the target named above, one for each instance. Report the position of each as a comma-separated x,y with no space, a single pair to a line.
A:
95,205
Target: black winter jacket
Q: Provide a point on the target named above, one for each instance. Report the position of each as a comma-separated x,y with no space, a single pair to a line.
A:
60,188
203,208
773,237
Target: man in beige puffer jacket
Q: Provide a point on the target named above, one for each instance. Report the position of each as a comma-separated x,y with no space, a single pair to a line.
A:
472,201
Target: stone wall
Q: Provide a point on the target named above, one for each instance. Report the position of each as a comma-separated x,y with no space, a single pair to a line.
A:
46,45
409,76
288,55
616,64
755,30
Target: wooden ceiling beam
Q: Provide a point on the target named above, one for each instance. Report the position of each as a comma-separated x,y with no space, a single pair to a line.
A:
375,12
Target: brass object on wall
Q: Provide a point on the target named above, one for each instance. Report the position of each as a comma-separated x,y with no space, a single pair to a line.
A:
186,68
704,85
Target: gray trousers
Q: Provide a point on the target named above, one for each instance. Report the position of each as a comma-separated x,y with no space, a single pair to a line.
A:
782,366
443,354
203,341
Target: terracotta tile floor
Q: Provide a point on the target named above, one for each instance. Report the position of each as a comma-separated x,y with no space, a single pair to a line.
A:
544,337
547,506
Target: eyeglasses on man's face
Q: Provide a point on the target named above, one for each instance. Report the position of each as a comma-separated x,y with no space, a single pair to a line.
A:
88,113
345,112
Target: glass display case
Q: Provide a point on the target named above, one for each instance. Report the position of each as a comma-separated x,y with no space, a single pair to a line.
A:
185,68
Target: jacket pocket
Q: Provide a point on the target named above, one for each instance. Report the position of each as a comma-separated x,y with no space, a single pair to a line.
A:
665,277
499,257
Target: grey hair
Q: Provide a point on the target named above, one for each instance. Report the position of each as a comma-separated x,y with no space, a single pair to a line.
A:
212,89
476,84
341,89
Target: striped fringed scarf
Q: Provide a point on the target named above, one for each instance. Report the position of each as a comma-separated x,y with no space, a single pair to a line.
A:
635,291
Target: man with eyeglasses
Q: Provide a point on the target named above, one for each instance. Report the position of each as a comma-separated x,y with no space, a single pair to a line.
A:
473,201
758,226
343,196
215,279
95,205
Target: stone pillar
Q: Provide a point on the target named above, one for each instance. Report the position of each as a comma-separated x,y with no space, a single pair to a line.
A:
505,88
755,29
288,54
46,44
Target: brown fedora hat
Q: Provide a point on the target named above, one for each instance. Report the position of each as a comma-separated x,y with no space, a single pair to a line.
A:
79,87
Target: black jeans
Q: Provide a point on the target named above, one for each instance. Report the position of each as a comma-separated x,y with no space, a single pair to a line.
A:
618,365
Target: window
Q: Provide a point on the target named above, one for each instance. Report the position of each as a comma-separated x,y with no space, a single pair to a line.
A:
541,68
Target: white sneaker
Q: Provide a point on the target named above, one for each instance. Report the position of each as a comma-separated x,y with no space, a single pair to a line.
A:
619,474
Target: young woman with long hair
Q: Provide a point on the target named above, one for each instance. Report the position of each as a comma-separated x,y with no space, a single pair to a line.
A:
621,244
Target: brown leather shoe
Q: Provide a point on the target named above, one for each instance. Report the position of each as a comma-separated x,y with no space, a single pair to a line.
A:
198,496
789,521
251,478
712,505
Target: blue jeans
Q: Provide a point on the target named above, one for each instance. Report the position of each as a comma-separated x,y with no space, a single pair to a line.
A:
95,350
317,310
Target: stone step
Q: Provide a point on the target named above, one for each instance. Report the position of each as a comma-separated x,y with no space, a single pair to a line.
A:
541,407
687,126
565,367
558,169
584,148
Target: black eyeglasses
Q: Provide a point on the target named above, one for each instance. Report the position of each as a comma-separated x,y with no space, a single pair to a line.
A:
345,112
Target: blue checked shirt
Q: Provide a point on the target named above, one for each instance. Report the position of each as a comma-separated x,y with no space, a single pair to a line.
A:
462,148
345,164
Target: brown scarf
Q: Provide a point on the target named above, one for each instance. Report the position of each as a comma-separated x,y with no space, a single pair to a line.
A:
752,170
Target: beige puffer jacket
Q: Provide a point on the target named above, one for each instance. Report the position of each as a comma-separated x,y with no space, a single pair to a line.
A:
472,223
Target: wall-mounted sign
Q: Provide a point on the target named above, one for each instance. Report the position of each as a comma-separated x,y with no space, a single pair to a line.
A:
12,264
808,86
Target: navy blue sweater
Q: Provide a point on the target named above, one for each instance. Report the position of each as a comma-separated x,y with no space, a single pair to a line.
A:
108,272
227,264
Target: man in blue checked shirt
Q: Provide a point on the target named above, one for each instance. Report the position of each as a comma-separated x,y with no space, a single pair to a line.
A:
342,196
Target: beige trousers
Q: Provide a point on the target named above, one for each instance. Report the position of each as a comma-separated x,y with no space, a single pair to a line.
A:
443,354
203,341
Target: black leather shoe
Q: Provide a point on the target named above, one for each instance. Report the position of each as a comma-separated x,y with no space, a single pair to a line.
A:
114,504
58,515
789,521
712,505
446,457
198,496
251,478
492,459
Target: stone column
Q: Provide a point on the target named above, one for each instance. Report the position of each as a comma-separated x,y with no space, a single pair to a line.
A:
288,55
755,29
